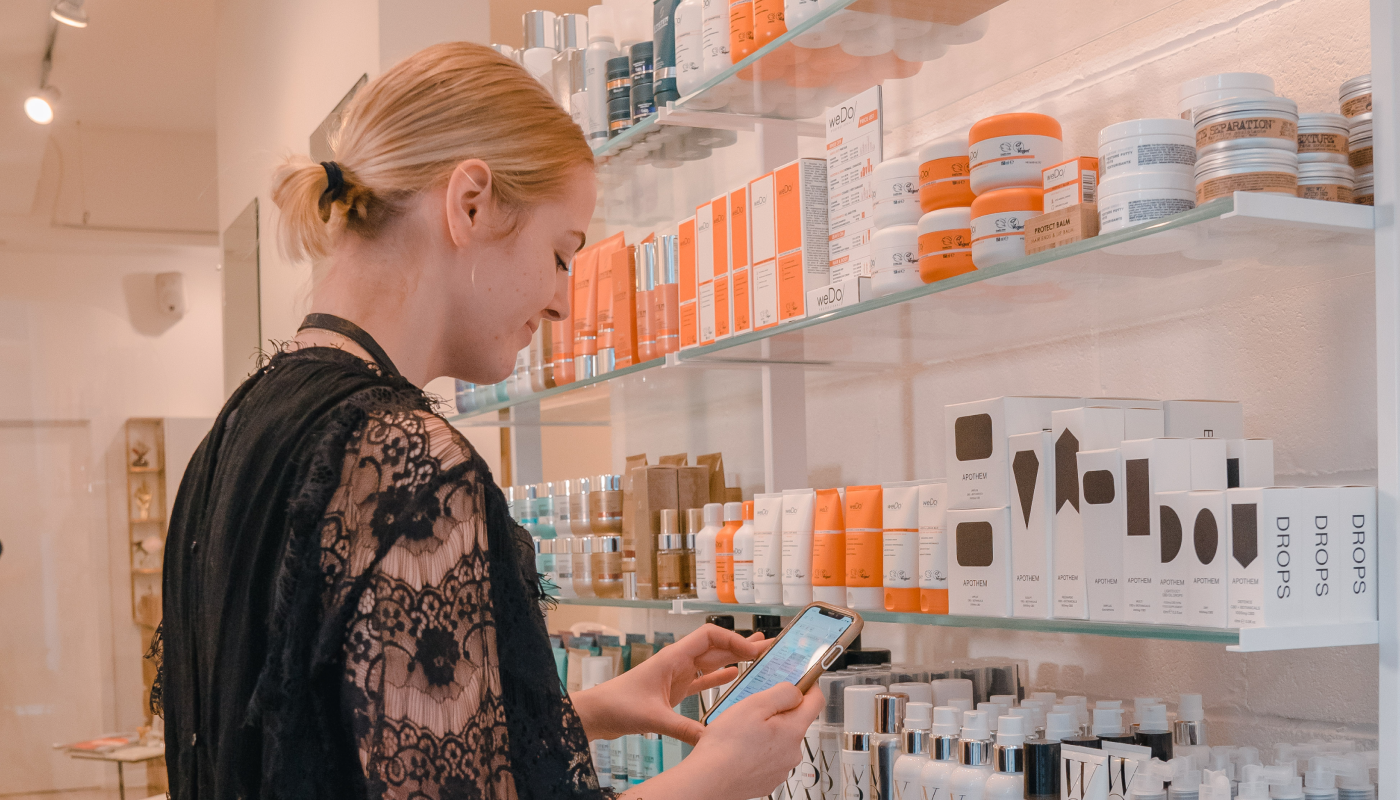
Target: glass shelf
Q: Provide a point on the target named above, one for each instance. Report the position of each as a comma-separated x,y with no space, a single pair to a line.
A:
1243,640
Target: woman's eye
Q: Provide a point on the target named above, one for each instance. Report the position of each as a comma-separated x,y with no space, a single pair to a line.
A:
562,265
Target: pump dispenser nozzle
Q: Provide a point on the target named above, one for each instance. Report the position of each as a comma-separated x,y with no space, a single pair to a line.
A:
943,734
916,728
1186,779
1320,783
1153,731
975,746
1215,785
1190,728
1061,725
1149,783
1353,772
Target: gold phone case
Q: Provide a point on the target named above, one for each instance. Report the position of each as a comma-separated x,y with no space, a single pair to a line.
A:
810,677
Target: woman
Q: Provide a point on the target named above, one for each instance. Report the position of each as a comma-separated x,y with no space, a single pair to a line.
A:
349,610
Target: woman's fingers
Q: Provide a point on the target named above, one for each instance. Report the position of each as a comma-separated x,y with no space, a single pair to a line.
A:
717,678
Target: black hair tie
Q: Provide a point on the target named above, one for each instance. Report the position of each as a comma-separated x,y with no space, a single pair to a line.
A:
335,187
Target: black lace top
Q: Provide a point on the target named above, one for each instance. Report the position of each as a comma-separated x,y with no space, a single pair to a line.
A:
350,611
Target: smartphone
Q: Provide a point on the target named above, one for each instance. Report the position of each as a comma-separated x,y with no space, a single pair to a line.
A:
808,646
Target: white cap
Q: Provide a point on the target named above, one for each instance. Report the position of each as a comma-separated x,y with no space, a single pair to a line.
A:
797,594
1153,718
1291,789
1190,709
1108,722
945,689
1140,703
916,692
1045,697
1038,710
733,512
1061,726
1319,774
961,703
1214,785
1220,760
892,168
993,712
975,725
1149,780
1066,708
600,24
917,715
1011,731
596,670
860,708
1004,700
945,721
1082,703
948,147
836,595
1244,756
1227,80
1109,704
1353,770
714,514
768,593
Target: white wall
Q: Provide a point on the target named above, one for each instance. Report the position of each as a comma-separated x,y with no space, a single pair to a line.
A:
1300,357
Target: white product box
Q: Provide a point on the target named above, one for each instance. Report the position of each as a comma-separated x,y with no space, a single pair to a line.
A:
1124,402
763,246
850,292
854,147
1143,423
1208,469
1032,523
1249,463
1210,419
1174,569
979,566
1207,595
978,464
1263,574
1149,466
1356,600
705,269
1105,527
1322,562
1076,430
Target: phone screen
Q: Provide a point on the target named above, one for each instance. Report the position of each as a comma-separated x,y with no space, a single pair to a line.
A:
800,647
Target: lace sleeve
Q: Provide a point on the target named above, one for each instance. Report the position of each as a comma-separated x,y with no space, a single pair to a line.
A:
421,690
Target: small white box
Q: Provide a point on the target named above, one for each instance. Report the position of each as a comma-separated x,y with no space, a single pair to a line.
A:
1174,569
1105,528
1075,430
1143,423
842,294
1209,419
1032,523
979,569
1207,596
1208,465
1149,466
1249,463
1264,547
1356,599
1324,570
978,466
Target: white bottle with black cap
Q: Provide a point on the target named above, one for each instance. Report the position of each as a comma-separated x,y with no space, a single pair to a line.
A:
942,751
918,719
541,45
857,757
888,742
1189,730
1008,781
975,757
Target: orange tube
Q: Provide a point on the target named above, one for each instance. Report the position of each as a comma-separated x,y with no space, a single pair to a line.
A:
585,316
724,552
741,43
865,547
768,21
829,548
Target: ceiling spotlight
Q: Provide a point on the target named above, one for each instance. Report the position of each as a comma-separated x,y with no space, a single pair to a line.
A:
70,12
39,107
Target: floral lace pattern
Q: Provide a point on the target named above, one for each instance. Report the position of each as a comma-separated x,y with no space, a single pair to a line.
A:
422,693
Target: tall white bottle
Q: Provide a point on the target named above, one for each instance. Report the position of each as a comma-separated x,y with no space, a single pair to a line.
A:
857,756
744,557
1008,782
541,45
690,46
975,757
715,37
706,577
910,764
601,47
943,754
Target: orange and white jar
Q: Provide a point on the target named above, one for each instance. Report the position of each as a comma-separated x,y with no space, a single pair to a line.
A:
945,243
998,224
943,174
1011,150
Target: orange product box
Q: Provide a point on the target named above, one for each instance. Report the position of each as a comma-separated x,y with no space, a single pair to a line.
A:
801,233
685,268
1070,183
740,301
763,252
626,343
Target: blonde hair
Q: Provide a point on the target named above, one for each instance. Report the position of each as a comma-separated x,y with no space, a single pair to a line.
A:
409,128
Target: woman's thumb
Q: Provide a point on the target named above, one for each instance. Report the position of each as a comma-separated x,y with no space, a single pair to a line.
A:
678,727
775,700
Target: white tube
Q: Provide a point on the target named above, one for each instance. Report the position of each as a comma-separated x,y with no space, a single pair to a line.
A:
768,548
901,538
933,545
797,546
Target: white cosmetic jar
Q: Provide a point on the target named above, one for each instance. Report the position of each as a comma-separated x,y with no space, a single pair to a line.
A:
896,259
1250,124
897,192
1222,86
1130,200
1147,145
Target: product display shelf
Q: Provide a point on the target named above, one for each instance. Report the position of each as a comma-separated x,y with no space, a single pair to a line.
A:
1243,640
1231,249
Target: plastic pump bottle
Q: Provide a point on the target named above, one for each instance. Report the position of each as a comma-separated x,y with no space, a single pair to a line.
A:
1008,782
1189,730
1354,775
888,741
743,557
1215,785
541,45
1152,731
943,753
724,552
601,47
1042,769
706,586
975,756
914,756
857,762
1255,781
1186,780
1108,726
1150,781
1319,783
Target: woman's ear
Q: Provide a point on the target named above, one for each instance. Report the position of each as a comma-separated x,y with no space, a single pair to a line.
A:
470,209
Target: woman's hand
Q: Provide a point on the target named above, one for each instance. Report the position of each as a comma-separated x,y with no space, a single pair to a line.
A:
748,750
642,699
